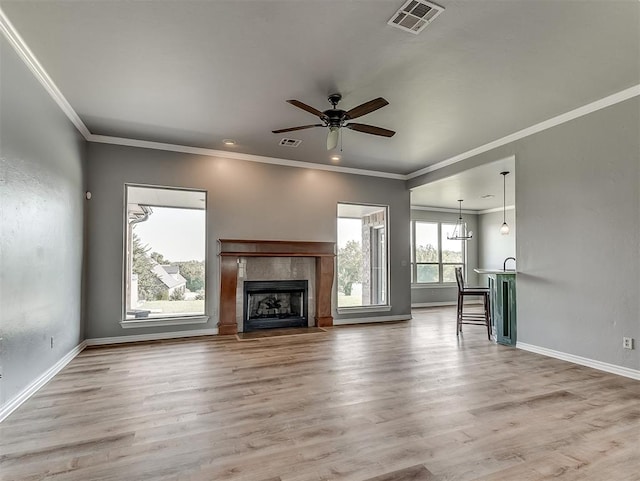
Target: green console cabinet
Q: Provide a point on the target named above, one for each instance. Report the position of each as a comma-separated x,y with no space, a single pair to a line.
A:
502,286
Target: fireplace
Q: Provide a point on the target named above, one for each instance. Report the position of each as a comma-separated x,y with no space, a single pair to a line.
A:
233,251
275,304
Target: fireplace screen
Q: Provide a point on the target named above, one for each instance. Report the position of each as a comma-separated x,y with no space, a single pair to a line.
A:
273,304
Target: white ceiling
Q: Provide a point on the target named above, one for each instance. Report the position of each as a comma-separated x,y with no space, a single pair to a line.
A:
196,72
470,186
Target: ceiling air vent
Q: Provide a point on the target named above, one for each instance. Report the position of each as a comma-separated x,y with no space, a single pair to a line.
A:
290,142
415,15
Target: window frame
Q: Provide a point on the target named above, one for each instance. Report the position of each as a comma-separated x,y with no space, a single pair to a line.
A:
386,306
168,320
440,264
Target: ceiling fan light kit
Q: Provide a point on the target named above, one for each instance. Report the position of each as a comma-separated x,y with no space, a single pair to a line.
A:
334,119
460,229
332,137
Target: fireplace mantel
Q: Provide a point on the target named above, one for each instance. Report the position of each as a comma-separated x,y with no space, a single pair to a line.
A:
231,250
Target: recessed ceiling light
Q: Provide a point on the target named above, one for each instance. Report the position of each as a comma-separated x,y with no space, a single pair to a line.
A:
335,158
488,196
229,142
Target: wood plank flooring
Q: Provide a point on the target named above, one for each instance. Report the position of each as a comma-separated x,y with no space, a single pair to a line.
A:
284,332
403,401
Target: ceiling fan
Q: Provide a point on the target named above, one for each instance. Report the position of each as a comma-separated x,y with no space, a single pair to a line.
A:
335,119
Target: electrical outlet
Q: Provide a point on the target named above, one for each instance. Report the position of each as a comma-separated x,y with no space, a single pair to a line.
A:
627,342
51,342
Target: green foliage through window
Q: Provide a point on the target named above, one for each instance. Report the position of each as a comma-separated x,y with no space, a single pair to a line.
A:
434,257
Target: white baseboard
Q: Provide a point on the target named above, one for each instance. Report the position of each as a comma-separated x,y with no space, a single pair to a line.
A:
40,381
444,303
33,387
433,304
103,341
367,320
583,361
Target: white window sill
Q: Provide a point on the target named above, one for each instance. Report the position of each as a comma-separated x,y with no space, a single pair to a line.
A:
164,321
359,309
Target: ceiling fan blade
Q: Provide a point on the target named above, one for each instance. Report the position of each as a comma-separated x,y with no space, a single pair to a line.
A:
366,107
291,129
306,107
370,129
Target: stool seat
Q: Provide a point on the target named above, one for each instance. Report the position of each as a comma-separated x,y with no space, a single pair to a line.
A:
475,318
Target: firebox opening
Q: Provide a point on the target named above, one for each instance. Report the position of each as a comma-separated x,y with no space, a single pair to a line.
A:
275,304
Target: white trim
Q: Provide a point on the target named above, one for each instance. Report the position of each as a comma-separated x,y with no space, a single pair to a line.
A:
583,361
455,211
158,336
446,303
145,144
368,320
433,304
496,209
30,60
40,381
534,129
163,321
361,309
442,209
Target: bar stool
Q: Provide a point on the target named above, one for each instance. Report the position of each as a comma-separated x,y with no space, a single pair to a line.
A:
474,318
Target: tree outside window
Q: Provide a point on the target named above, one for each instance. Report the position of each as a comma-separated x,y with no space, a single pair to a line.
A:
434,257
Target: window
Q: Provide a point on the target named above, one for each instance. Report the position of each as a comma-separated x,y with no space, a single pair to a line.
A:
362,255
164,253
433,256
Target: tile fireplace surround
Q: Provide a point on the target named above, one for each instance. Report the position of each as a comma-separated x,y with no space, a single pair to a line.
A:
231,251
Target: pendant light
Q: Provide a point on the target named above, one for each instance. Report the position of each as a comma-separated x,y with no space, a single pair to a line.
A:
504,229
460,230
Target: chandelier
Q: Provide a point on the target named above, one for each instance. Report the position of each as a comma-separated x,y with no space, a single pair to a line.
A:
460,229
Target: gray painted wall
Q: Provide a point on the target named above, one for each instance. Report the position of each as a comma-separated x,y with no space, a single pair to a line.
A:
578,204
449,294
41,228
246,200
494,247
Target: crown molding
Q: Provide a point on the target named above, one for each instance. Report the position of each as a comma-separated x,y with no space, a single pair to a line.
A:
534,129
448,210
185,149
496,209
456,211
27,56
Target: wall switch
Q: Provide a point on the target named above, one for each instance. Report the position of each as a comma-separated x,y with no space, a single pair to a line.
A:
627,342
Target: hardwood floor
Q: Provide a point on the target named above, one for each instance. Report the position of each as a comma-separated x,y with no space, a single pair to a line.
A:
393,402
